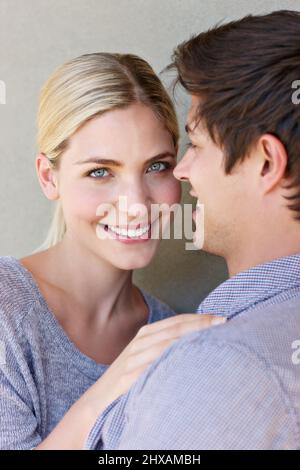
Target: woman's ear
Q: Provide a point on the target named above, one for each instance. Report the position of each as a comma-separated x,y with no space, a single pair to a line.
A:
274,161
47,177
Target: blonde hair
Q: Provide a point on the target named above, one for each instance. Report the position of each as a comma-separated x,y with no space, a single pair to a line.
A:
89,86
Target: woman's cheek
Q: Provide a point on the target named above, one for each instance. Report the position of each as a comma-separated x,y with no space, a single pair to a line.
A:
86,203
168,191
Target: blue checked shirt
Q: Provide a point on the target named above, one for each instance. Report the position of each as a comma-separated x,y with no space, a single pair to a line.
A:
233,386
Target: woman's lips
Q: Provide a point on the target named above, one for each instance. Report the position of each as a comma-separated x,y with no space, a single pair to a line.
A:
128,235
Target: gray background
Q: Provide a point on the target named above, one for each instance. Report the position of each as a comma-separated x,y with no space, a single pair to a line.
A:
38,35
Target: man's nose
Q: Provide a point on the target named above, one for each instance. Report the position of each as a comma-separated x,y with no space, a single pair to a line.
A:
181,170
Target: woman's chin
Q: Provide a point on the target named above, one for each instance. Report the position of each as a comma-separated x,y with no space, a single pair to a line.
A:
133,261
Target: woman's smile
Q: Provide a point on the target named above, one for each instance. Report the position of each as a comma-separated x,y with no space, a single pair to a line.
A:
128,234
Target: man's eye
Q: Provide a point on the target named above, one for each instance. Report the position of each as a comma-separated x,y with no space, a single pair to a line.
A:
189,145
98,173
158,167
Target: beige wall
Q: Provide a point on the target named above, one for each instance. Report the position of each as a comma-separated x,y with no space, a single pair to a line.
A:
38,35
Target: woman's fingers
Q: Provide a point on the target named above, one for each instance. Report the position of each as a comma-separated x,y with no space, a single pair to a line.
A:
147,356
175,329
148,348
150,342
167,322
177,319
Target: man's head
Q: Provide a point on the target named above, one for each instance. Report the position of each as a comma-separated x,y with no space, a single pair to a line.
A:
244,126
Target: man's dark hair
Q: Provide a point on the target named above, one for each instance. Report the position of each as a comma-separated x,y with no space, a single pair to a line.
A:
243,73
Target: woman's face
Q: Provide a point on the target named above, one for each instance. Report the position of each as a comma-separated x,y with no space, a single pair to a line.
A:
128,153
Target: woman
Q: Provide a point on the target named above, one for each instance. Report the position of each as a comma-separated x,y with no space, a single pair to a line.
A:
107,128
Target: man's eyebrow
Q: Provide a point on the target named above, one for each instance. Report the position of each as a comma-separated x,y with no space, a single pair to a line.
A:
111,162
192,131
187,129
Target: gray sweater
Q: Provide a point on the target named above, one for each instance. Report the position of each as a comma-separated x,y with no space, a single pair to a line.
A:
42,373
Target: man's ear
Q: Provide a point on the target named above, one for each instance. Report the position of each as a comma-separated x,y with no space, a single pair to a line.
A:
47,177
273,161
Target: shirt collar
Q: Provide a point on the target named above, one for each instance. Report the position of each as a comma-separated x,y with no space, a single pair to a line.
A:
253,286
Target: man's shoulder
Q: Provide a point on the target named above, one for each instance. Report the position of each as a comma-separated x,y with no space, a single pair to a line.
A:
257,329
211,385
261,338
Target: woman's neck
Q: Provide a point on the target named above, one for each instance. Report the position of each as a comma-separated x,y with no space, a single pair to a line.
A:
99,290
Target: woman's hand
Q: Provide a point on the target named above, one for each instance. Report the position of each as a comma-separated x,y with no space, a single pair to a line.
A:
149,343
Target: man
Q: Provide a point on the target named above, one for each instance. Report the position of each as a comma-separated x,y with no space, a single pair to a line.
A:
235,386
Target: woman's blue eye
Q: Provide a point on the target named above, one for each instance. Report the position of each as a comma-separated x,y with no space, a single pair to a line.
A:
99,173
158,167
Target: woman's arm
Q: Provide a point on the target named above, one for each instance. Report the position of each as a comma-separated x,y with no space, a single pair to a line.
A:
150,342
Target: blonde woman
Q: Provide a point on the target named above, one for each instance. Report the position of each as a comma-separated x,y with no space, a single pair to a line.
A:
76,331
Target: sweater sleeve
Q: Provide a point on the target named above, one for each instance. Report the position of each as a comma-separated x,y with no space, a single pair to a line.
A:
19,410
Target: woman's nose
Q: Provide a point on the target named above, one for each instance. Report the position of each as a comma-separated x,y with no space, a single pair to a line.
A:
135,199
136,192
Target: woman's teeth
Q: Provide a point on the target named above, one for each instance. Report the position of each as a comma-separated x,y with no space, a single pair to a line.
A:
128,233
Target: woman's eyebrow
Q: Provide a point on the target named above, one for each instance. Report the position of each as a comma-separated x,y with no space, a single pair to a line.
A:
100,161
111,162
161,155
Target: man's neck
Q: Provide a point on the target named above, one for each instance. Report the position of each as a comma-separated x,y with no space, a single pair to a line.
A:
259,252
